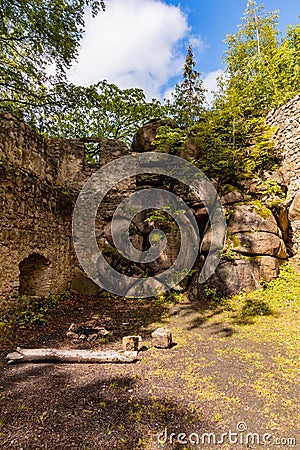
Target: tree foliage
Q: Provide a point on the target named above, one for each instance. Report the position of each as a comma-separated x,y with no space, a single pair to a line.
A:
33,36
232,140
262,72
254,83
100,110
188,98
36,35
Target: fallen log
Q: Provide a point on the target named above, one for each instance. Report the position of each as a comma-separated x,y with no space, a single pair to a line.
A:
70,356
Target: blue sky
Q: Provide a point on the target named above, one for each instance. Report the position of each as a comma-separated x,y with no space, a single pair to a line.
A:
214,19
142,43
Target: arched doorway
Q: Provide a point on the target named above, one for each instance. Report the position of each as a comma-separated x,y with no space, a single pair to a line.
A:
35,275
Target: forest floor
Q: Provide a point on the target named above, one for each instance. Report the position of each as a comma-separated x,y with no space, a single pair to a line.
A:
234,370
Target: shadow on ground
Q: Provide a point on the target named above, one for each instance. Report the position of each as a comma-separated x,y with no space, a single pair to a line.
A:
119,316
84,407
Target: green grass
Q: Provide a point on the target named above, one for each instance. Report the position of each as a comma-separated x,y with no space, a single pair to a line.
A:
25,312
276,303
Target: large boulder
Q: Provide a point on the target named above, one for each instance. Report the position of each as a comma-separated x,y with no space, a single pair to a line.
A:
283,221
232,197
258,243
168,257
249,186
253,250
83,285
189,149
253,217
143,138
231,277
294,211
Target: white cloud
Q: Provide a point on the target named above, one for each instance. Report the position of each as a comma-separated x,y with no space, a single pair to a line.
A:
133,44
210,83
168,93
197,44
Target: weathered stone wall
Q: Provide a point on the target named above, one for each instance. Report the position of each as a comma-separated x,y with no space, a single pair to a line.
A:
35,220
40,180
57,161
36,200
286,120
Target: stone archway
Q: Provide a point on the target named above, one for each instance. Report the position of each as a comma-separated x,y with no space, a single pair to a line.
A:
35,275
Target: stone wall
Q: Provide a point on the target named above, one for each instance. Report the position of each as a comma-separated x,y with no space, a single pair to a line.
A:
56,161
35,219
39,182
36,255
286,121
40,179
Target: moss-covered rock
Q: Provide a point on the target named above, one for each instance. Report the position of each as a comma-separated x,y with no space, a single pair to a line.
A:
252,217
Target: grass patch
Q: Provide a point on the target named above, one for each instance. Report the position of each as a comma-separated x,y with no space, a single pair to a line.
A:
252,308
26,312
276,302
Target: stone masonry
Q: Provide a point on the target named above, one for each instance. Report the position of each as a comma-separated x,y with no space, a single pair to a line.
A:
36,176
286,121
39,182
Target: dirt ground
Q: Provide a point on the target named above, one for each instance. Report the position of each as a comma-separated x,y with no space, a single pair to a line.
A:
222,376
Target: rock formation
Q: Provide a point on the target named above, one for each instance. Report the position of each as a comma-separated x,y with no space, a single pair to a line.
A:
286,122
40,180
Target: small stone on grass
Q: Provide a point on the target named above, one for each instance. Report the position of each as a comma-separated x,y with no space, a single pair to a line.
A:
162,338
131,343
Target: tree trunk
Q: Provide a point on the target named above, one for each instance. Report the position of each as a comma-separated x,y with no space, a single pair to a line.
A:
70,356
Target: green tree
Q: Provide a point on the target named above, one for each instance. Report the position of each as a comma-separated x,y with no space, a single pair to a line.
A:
285,64
38,34
188,99
35,34
232,140
250,82
100,110
254,83
262,71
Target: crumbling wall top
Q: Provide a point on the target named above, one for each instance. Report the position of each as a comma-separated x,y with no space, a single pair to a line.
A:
56,161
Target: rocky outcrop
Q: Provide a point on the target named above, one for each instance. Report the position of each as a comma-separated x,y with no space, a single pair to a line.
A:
253,251
262,229
143,138
257,243
252,217
247,273
286,122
